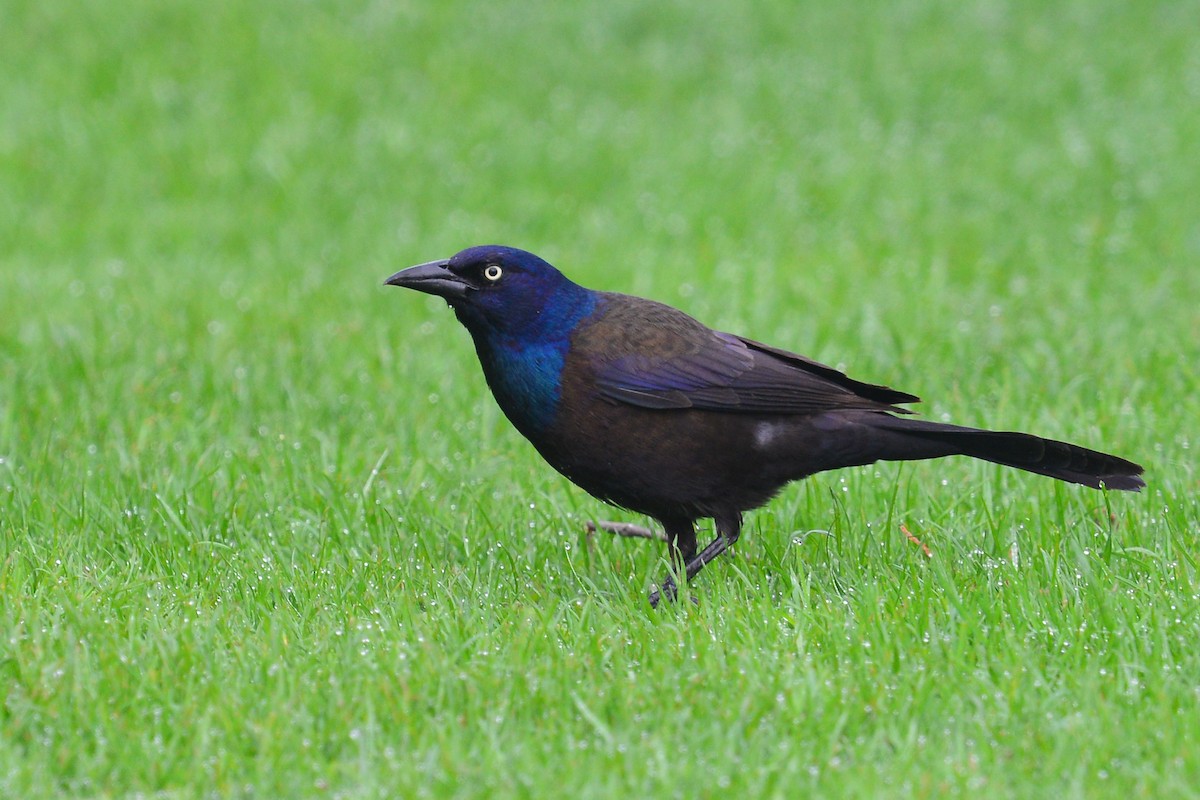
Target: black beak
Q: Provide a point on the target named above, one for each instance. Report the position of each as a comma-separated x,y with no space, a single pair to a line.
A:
433,277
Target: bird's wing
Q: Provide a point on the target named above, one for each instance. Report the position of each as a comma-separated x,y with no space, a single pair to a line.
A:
723,372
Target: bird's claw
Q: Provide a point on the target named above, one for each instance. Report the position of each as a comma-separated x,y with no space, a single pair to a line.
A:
668,591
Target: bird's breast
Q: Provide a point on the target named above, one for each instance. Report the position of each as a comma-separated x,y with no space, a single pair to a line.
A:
526,380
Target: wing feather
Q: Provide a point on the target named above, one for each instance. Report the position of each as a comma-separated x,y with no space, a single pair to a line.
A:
731,374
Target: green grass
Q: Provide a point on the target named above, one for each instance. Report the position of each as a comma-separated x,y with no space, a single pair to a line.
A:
264,533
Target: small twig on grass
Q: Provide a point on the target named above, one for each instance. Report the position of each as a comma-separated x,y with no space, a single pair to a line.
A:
912,538
626,529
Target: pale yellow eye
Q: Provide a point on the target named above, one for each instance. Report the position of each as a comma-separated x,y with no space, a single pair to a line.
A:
492,272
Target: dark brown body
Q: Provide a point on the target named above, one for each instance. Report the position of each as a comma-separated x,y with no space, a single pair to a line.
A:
680,464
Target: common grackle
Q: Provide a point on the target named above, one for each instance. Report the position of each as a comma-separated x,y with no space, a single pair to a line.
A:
646,408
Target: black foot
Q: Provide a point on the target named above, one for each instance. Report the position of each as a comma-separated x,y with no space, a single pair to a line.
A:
668,591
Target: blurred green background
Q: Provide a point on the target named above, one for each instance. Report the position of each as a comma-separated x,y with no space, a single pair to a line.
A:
265,534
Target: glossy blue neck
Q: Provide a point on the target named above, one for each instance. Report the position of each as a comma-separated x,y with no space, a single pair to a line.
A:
524,365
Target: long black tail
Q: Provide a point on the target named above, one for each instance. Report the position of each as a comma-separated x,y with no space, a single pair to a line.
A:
1067,462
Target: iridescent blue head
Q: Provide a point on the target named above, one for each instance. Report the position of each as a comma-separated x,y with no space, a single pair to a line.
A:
500,291
521,312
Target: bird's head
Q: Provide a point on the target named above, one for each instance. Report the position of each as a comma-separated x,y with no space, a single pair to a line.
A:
498,290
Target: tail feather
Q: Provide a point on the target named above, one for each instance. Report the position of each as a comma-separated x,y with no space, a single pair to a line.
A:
1061,460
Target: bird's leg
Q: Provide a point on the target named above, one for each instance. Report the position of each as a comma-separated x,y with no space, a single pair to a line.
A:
728,530
681,534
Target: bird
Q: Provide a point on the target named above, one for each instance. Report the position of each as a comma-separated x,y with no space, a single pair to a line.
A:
648,409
